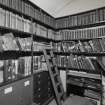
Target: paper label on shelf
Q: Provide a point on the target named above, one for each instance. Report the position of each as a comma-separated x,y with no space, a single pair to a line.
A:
26,83
8,90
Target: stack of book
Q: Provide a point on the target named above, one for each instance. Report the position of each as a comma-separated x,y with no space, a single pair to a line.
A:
8,42
77,62
76,81
87,18
92,45
24,43
39,46
39,63
80,62
61,47
92,83
92,94
91,87
87,83
10,69
24,66
55,46
61,61
41,31
95,45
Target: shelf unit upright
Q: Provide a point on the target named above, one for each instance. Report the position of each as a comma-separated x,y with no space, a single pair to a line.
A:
21,90
83,21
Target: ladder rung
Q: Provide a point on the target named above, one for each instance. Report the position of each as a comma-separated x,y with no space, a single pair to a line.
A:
54,65
60,87
55,74
43,61
58,84
53,69
51,65
48,57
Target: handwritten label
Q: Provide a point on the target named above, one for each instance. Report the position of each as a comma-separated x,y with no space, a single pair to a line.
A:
8,90
26,83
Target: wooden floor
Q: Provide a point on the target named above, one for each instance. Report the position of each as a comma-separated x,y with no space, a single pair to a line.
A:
76,100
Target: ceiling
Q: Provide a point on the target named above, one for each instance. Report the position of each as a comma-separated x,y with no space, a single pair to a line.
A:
58,8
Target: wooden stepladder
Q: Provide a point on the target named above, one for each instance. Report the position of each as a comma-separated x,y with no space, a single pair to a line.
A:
55,76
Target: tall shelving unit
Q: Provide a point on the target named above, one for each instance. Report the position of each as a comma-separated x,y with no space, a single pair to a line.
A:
28,17
75,30
20,91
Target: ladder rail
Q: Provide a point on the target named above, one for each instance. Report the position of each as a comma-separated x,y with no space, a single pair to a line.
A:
55,76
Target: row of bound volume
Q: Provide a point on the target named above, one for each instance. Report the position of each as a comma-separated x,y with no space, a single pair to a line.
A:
89,46
86,33
77,62
29,10
14,69
88,18
17,22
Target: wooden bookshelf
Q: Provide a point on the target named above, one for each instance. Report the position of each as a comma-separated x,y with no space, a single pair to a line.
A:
81,20
18,33
85,75
82,27
12,54
78,70
25,15
85,87
74,53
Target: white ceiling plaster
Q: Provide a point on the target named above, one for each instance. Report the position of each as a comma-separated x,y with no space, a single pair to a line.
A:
58,8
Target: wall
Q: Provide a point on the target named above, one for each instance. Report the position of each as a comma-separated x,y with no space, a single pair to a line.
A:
79,6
